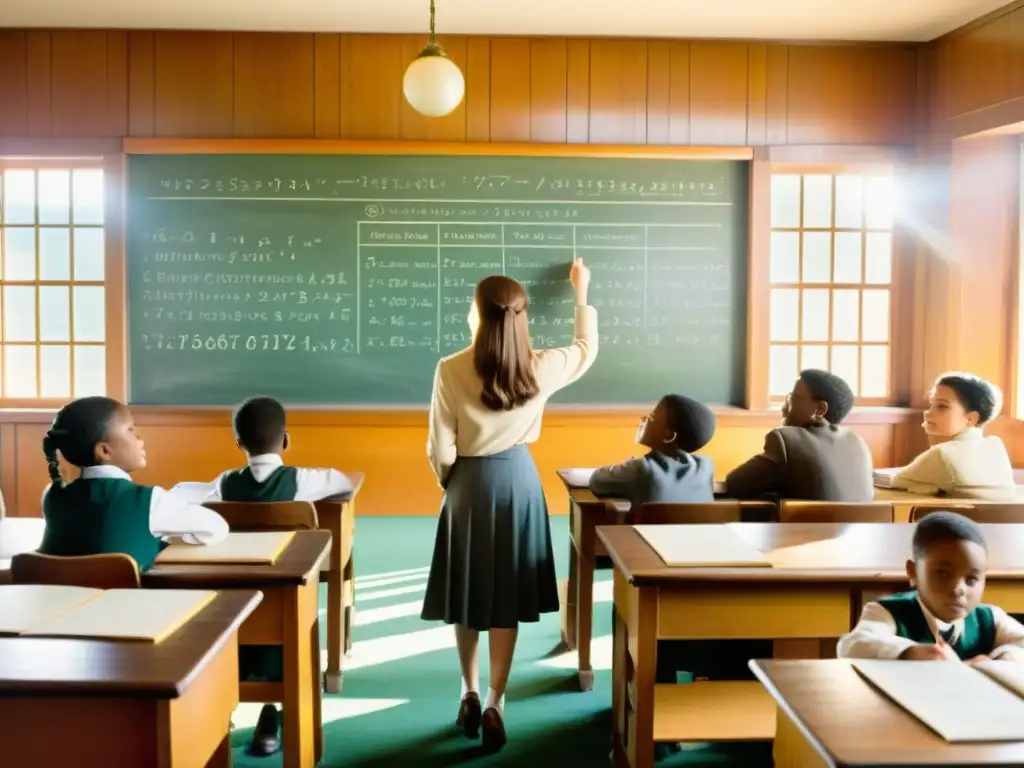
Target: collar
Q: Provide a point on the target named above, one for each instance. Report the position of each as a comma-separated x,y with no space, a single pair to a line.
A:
104,472
936,625
266,460
971,434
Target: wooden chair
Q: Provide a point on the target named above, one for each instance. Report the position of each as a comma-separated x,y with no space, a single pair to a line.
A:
835,512
113,571
266,516
703,513
982,512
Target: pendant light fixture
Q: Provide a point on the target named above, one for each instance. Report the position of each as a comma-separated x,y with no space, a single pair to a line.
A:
433,84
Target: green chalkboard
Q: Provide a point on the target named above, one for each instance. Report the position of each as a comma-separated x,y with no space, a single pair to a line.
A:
342,279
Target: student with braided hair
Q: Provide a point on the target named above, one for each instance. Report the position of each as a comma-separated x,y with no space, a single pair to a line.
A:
104,510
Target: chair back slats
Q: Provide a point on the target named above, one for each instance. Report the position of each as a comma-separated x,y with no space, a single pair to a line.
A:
266,515
835,512
111,571
703,513
983,512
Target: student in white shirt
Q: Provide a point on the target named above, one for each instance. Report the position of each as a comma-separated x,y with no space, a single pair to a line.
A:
104,510
961,462
942,616
493,566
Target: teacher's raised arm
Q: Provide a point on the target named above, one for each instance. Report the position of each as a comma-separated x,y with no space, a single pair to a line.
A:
493,566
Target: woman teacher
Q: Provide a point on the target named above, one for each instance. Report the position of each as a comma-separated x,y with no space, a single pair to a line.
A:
493,566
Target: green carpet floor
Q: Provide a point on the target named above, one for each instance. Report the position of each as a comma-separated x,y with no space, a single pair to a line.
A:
401,690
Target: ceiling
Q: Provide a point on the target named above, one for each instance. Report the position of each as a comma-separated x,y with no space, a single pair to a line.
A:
903,20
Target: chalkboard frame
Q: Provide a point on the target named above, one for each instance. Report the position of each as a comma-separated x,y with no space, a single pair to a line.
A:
759,178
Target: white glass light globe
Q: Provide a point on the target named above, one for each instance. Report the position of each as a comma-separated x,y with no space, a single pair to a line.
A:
433,85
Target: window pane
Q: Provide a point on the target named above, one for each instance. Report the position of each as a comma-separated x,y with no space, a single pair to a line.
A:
849,202
876,316
782,369
844,365
879,202
90,371
846,315
878,257
88,196
875,371
784,314
847,257
20,371
55,371
20,253
90,321
54,313
785,258
785,200
814,323
88,253
817,201
19,197
19,313
817,257
54,253
54,197
814,356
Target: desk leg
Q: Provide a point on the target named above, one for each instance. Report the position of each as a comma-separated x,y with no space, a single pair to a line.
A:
317,702
336,614
571,596
350,598
634,665
300,607
586,557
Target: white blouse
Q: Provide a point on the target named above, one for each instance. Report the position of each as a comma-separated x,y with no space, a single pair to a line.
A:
460,424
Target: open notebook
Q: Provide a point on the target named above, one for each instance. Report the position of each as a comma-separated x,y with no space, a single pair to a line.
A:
261,548
956,701
701,546
114,614
578,477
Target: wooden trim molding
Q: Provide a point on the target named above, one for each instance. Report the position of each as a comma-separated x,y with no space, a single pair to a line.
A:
758,285
51,148
1005,117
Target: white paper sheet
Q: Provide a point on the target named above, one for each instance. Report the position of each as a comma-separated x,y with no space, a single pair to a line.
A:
578,477
701,546
956,701
260,548
23,606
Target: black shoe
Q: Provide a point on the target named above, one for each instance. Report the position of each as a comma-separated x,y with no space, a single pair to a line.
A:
494,730
469,715
265,741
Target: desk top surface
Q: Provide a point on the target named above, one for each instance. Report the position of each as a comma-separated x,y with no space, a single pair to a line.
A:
817,551
103,668
855,725
295,566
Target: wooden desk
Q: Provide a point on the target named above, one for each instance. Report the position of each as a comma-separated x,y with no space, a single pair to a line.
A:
17,535
339,517
288,616
818,595
829,716
113,703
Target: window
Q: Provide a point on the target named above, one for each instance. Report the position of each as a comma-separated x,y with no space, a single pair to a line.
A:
830,273
52,299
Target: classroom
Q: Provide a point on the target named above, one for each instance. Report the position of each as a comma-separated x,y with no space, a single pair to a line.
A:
664,213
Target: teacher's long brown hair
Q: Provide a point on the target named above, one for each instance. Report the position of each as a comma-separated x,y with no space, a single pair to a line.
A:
502,354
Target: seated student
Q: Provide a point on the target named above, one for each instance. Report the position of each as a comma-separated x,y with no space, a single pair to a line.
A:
961,461
260,431
810,456
104,511
675,429
941,618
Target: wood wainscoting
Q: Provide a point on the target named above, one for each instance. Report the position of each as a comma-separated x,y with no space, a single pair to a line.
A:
390,447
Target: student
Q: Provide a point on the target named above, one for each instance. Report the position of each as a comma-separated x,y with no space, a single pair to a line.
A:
677,428
961,461
260,431
493,565
104,511
941,617
810,456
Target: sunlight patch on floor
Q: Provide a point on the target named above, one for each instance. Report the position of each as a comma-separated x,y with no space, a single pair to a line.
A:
600,656
423,570
334,708
362,595
380,650
365,616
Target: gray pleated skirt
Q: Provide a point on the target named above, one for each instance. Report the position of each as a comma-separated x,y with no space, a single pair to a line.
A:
492,565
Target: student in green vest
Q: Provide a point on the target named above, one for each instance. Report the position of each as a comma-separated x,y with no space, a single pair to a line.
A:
104,510
942,617
260,431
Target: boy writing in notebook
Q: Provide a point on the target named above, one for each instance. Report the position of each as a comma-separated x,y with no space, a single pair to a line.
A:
942,617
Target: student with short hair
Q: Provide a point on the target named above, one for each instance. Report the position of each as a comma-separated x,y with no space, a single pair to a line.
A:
674,431
104,511
810,456
961,462
942,617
